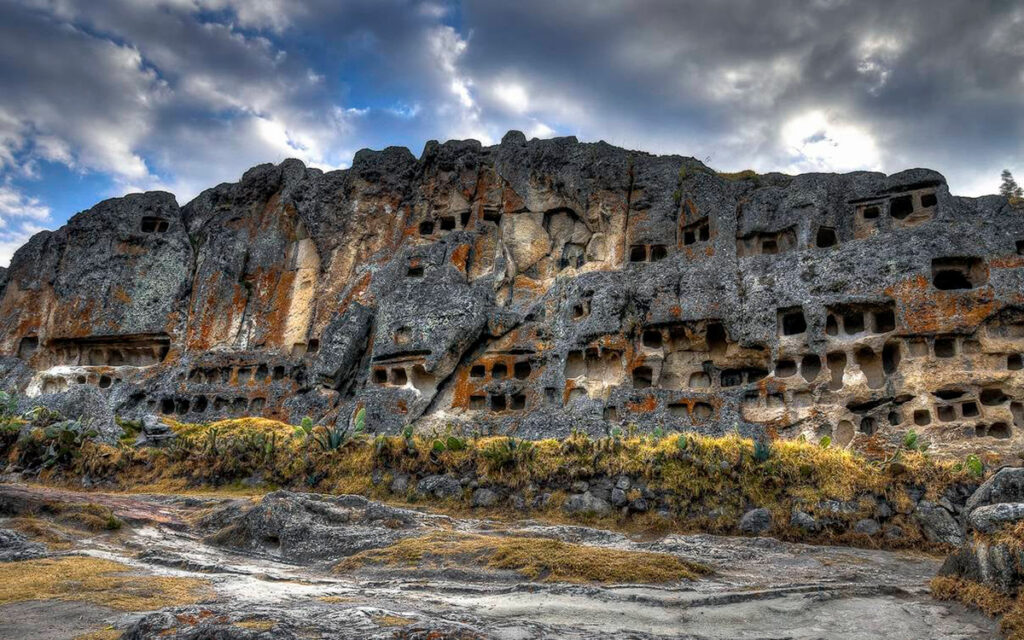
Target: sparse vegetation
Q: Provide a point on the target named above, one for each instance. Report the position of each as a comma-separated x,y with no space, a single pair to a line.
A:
711,480
534,558
1011,190
95,580
746,174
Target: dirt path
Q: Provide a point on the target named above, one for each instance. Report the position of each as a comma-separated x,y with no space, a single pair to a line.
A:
761,588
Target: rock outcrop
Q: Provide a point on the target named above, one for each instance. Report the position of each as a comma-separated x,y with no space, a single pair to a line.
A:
535,288
992,555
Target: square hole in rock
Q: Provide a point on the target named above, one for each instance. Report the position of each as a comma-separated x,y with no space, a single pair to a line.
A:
517,402
884,321
1014,362
945,347
732,378
399,377
497,403
700,380
928,200
999,430
810,367
658,252
522,370
638,253
853,323
922,417
426,227
785,368
969,409
951,274
793,323
831,325
870,213
946,413
826,237
901,206
642,377
415,272
447,223
652,339
477,371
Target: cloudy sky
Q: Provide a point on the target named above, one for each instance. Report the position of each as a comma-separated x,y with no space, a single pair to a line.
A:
102,97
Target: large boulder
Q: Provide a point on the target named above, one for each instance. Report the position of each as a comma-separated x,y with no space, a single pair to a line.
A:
996,565
313,527
992,517
756,521
1005,485
587,504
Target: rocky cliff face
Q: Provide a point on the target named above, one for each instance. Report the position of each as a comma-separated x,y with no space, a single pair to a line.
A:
537,287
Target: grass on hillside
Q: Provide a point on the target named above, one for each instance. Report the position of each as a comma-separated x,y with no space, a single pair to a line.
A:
710,481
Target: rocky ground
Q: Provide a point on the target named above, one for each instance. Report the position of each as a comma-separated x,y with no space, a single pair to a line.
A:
288,565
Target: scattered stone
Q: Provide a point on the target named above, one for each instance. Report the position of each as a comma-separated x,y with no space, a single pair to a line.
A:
756,521
867,526
938,524
803,521
587,503
14,546
441,487
399,483
484,498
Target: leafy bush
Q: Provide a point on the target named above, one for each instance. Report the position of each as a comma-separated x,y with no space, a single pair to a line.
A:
509,453
762,451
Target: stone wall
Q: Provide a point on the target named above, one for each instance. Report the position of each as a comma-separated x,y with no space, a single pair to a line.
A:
537,287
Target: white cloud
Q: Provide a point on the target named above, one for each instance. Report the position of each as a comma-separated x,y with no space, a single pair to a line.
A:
14,204
21,217
818,141
512,95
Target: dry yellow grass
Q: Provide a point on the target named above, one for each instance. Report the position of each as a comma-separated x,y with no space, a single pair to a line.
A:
42,531
391,621
533,558
698,474
256,625
98,581
102,634
987,600
232,428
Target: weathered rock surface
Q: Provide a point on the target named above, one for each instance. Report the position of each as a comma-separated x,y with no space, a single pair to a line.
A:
1005,485
14,546
938,524
990,518
535,287
760,587
313,527
756,521
983,558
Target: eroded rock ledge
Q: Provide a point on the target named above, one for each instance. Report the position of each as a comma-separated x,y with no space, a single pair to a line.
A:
536,287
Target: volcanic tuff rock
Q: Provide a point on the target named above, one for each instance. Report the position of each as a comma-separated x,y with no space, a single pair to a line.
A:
536,287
